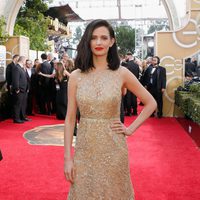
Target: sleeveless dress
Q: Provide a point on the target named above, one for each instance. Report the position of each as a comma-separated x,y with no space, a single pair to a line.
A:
101,156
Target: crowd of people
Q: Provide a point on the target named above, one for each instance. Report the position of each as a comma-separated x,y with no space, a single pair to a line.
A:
151,75
192,69
39,87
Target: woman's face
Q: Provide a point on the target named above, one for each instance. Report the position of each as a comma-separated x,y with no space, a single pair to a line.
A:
55,65
101,41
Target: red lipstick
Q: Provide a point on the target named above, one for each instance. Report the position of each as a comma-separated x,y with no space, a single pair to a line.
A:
99,48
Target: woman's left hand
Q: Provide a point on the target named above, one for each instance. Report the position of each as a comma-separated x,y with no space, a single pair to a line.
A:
118,127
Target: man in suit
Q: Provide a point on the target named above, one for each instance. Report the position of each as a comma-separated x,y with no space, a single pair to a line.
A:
19,90
130,98
45,107
155,82
29,72
52,83
9,68
190,68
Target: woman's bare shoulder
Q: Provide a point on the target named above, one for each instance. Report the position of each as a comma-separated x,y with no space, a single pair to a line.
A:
75,74
123,70
126,75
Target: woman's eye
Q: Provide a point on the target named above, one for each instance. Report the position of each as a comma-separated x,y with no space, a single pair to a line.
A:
104,38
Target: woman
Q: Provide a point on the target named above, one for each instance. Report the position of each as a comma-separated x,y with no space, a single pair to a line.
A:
69,65
100,168
61,91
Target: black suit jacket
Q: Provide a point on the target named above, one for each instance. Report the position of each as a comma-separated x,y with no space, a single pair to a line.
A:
45,69
160,77
29,79
133,67
9,68
189,69
19,79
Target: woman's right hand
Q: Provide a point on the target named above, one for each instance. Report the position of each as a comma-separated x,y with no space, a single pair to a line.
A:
69,170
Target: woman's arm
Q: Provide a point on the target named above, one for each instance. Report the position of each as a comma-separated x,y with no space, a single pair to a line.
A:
47,75
124,91
132,84
66,73
69,127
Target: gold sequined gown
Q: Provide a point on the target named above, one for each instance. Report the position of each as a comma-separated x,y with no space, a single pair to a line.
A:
101,157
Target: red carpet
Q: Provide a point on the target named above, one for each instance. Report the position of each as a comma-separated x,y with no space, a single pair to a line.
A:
192,128
164,163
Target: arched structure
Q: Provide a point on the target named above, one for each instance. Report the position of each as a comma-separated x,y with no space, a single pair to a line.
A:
174,20
10,9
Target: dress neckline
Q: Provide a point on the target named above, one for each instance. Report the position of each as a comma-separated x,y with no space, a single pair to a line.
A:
93,72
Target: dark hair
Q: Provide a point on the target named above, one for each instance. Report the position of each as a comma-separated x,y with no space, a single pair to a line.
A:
188,60
15,56
44,56
84,59
158,59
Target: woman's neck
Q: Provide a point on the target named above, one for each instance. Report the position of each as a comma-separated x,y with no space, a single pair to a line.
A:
100,63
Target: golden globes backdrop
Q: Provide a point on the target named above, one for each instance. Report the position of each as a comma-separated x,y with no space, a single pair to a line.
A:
173,47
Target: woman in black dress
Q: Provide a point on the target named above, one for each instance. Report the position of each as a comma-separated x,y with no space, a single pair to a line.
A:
61,78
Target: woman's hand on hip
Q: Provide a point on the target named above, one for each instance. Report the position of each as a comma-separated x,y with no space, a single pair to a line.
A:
118,127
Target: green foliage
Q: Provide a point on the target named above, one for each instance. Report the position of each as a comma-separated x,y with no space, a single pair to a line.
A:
194,108
182,99
3,35
32,8
32,23
125,36
195,89
189,102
